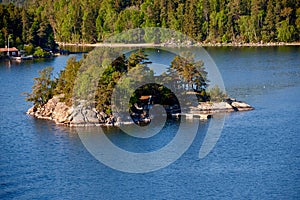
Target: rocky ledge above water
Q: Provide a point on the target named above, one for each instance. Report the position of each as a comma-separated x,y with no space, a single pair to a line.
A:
80,115
230,105
60,113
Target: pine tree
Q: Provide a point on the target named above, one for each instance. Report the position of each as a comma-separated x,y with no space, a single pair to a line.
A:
43,88
269,28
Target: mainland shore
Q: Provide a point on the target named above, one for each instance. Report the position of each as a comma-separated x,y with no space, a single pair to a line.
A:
199,44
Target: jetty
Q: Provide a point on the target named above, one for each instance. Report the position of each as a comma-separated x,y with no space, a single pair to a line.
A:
20,58
193,115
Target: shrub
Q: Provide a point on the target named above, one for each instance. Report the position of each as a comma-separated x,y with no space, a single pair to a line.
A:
29,49
216,94
39,52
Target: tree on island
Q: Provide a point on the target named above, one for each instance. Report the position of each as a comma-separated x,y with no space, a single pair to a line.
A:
43,88
215,94
190,71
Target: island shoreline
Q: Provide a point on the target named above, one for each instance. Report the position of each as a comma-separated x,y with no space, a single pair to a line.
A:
81,116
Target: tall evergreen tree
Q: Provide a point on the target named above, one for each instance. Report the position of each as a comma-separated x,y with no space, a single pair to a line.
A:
269,28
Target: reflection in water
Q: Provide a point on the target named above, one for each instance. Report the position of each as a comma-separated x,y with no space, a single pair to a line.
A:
212,135
99,145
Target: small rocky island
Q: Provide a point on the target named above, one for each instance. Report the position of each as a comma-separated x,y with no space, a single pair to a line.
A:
61,100
60,113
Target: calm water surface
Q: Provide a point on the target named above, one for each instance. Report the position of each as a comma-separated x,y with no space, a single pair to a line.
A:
256,157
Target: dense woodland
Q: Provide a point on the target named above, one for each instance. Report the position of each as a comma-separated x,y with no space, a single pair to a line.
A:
41,22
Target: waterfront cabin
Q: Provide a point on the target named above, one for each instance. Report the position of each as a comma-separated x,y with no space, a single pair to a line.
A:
13,51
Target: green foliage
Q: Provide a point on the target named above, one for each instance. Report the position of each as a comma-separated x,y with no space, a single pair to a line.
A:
89,21
285,31
43,88
269,28
191,73
25,26
105,21
112,75
2,39
66,80
129,18
88,26
39,52
216,94
29,49
105,88
297,22
88,82
81,81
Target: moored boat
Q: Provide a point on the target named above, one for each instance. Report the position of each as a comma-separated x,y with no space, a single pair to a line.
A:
20,58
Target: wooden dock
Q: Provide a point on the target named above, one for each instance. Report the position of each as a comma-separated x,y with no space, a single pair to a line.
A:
193,115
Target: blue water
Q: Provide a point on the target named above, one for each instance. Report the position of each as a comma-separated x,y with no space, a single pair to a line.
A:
256,157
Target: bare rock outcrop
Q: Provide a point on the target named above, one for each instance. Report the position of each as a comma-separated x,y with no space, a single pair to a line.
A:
230,105
61,113
241,106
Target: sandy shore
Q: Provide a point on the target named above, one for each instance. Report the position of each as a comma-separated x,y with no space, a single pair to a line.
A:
198,44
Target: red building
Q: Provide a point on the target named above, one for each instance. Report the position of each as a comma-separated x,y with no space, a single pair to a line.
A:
12,51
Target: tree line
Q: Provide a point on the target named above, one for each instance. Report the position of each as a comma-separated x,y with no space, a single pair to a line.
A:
41,22
21,25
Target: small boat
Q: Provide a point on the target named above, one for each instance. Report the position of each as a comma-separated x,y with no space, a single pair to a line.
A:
27,57
20,58
15,58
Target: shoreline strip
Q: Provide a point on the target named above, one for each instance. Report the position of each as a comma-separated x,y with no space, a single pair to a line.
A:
177,45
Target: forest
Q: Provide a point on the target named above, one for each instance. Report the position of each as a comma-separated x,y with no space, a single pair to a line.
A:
43,22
